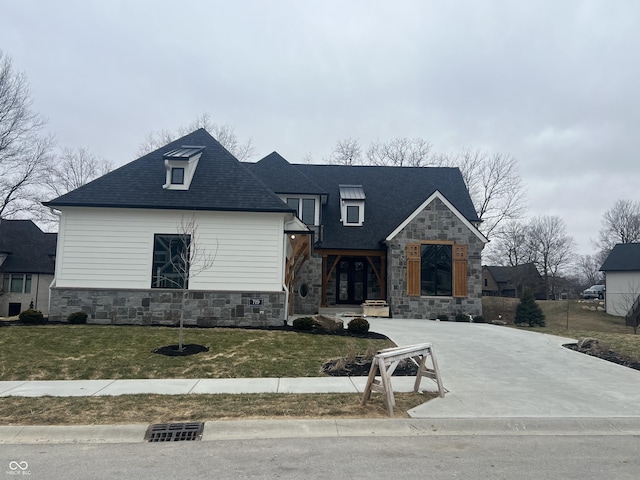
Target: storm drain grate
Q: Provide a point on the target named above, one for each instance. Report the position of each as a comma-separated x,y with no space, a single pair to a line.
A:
174,432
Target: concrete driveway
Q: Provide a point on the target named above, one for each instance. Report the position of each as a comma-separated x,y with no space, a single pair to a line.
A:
491,371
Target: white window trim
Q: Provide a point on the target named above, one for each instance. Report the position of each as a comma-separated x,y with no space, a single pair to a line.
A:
316,213
343,212
189,170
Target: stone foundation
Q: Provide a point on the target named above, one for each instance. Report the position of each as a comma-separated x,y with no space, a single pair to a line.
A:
163,307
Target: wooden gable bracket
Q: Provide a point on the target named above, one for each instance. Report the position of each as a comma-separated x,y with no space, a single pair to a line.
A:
327,275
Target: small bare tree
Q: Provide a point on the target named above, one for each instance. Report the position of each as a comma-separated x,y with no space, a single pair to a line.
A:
188,258
225,134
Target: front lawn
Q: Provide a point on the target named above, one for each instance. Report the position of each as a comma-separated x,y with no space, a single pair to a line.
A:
78,352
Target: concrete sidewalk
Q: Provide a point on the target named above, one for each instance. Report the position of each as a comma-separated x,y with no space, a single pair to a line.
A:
93,388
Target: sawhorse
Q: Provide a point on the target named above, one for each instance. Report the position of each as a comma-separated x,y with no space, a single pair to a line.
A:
385,362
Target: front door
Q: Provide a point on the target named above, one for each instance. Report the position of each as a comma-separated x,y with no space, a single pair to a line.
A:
351,285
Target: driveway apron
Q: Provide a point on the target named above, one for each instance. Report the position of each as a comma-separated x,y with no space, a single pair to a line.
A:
493,371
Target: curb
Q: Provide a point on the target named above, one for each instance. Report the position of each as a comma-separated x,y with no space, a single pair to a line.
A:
308,428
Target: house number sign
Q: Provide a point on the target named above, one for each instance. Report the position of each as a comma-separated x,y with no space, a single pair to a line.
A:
254,302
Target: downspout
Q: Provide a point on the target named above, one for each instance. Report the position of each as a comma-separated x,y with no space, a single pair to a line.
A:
35,304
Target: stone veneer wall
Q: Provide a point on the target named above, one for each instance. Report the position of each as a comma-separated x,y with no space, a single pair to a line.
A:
162,307
435,222
311,274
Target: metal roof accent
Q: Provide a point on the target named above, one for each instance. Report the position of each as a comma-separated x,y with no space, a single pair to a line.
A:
174,432
351,192
183,153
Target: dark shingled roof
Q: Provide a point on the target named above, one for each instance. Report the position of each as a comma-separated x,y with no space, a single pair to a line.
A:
220,182
506,274
392,194
625,257
282,177
29,249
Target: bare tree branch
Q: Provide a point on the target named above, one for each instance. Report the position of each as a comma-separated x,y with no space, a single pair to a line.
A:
400,152
346,152
554,249
620,224
24,152
225,134
74,168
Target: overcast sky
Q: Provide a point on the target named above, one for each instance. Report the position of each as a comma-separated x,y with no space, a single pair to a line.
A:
553,83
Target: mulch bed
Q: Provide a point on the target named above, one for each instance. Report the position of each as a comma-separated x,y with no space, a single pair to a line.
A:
174,351
360,366
596,349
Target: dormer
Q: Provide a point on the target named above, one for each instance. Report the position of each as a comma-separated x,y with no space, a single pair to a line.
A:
181,165
352,205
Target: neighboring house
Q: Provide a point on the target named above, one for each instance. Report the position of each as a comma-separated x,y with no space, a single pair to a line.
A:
405,235
622,278
287,239
27,258
506,281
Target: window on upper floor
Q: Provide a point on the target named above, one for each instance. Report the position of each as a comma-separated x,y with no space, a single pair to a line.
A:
352,199
170,261
177,176
181,164
305,209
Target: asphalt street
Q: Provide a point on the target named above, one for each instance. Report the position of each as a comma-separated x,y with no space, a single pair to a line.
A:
526,457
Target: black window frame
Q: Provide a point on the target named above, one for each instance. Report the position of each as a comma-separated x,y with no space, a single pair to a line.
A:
308,209
436,270
349,213
174,180
170,265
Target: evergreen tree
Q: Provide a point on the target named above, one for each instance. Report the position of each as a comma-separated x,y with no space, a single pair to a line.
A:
528,311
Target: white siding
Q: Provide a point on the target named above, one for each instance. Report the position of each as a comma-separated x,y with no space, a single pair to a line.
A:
622,290
113,248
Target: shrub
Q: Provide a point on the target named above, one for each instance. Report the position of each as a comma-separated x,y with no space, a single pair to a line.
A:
443,317
303,323
528,311
31,317
479,319
358,325
462,317
77,318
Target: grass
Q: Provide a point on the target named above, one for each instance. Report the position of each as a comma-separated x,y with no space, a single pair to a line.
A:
56,352
196,408
78,352
574,319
